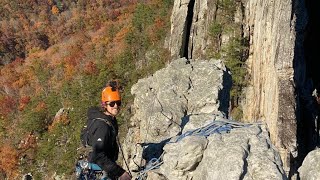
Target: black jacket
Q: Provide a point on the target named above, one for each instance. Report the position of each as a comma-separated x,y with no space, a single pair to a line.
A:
104,144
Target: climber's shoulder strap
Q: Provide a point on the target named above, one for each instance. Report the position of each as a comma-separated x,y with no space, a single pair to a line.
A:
106,121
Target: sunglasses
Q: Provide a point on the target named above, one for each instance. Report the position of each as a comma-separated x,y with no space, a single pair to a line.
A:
112,103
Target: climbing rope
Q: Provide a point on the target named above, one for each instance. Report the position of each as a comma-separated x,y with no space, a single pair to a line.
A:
154,163
216,126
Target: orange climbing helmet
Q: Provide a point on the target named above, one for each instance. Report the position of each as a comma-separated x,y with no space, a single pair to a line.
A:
111,92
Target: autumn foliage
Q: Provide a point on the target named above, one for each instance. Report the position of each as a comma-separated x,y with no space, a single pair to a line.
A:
8,161
58,54
23,102
90,68
7,105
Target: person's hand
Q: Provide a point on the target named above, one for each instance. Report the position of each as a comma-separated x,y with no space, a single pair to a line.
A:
125,176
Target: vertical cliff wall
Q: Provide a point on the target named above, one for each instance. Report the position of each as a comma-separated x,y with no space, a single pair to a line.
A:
270,96
277,70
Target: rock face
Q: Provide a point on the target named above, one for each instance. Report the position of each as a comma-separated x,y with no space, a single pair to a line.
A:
180,90
185,95
276,69
190,22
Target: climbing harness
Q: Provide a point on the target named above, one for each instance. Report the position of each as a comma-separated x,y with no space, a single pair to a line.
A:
216,126
86,170
89,171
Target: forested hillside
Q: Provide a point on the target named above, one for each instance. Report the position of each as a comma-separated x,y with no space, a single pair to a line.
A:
59,54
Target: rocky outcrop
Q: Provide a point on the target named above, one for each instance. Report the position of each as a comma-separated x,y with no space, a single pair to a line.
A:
310,168
178,91
186,95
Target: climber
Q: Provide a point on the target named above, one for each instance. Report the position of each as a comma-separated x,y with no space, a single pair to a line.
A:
104,141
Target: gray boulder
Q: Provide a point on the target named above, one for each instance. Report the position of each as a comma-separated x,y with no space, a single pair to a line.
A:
243,153
310,169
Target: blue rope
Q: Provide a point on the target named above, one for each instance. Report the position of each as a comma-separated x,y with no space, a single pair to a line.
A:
214,127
